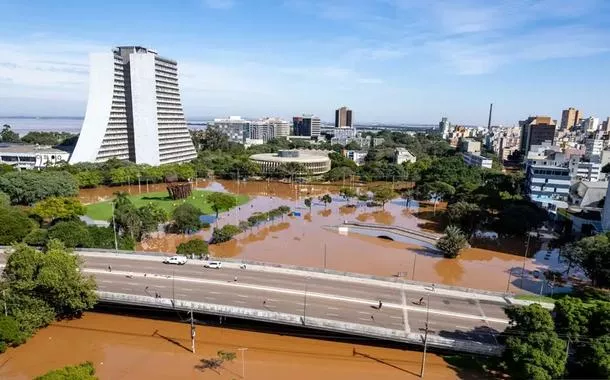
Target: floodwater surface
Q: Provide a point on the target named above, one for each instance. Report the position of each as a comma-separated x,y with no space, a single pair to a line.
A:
306,239
123,347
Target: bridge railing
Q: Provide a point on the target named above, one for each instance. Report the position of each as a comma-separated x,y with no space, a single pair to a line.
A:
357,329
421,234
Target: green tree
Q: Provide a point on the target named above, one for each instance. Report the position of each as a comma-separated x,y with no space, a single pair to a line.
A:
58,208
326,199
37,237
151,215
27,186
186,217
8,136
88,178
72,233
347,193
46,138
221,202
226,233
307,202
572,317
5,200
383,194
593,256
517,219
42,286
407,195
14,226
127,217
339,173
593,359
103,237
464,214
84,371
213,139
532,348
452,242
10,335
196,247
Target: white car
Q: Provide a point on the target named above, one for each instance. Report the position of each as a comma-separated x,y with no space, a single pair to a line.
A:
213,265
180,260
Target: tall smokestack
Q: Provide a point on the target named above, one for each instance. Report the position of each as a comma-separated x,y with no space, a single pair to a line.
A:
491,107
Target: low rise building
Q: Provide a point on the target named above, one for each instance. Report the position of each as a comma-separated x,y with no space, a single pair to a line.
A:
470,146
356,155
473,159
234,127
587,195
22,156
548,186
313,163
402,155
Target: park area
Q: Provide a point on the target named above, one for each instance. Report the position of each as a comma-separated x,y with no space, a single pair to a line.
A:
103,210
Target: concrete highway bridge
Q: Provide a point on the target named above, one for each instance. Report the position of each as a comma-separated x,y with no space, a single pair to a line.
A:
458,319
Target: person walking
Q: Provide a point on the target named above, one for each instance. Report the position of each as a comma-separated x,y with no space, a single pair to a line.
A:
380,305
421,300
109,268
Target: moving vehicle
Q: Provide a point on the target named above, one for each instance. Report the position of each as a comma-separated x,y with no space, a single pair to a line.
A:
180,260
213,265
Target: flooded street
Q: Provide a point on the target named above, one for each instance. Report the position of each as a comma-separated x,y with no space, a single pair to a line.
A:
306,240
135,348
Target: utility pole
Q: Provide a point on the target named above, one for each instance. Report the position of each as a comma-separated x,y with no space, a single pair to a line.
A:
423,362
243,361
414,262
527,247
324,256
305,300
116,244
510,272
173,287
192,331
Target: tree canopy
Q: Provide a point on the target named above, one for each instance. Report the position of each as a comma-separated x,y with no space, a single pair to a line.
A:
27,187
221,201
196,247
58,208
186,217
452,242
84,371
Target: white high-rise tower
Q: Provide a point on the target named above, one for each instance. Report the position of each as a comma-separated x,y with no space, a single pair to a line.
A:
133,111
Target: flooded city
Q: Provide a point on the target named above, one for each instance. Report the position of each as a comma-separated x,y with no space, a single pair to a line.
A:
307,238
123,347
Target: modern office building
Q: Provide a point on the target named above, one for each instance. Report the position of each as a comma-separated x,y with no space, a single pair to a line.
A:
234,127
134,111
356,155
445,127
590,124
343,118
536,130
475,159
306,125
570,118
470,145
594,147
266,129
548,186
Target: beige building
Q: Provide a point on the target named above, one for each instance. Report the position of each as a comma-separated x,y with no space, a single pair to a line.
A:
343,117
471,146
570,118
315,163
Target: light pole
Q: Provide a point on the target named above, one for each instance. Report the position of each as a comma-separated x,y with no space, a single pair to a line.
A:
324,256
305,299
527,247
116,244
423,362
414,262
243,361
510,272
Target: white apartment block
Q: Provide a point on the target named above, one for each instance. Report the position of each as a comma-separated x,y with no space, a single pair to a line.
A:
594,147
548,186
402,155
134,110
473,159
356,155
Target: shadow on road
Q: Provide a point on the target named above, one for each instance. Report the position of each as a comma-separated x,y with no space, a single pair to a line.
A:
482,334
171,340
364,355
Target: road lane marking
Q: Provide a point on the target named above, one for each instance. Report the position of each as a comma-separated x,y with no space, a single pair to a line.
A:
332,315
309,294
365,319
239,301
333,308
395,317
363,312
243,296
405,316
211,292
485,319
133,283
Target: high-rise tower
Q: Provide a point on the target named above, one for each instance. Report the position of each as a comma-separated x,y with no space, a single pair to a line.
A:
343,118
134,111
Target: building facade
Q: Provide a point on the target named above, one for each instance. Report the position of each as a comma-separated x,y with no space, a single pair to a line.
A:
134,110
343,118
536,130
444,127
313,163
21,156
548,186
356,155
471,146
306,125
570,118
236,128
474,159
402,155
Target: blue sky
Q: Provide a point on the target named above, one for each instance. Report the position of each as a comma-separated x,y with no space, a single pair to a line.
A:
389,60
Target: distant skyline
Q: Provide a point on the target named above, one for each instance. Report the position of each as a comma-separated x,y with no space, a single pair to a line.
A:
388,60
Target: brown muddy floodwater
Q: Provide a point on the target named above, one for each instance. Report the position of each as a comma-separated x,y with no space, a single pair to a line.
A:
303,240
135,348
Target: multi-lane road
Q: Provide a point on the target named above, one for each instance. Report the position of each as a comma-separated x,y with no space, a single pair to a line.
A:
454,315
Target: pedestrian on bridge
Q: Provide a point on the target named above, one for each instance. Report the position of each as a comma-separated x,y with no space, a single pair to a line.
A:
421,300
109,268
380,305
235,279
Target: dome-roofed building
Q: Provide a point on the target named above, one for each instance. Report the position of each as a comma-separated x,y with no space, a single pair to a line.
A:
314,162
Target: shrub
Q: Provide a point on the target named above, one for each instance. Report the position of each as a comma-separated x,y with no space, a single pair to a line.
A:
196,247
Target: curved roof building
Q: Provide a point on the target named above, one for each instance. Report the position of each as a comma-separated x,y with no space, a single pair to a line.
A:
134,111
314,163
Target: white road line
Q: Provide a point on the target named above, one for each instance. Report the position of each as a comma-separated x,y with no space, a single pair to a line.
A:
363,312
214,292
333,308
187,289
395,317
133,283
210,298
332,315
238,301
365,319
243,296
105,281
405,316
309,294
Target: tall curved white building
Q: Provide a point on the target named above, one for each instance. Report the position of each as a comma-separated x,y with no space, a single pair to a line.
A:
134,111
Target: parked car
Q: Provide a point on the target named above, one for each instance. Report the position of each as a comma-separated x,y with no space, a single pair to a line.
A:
213,265
179,260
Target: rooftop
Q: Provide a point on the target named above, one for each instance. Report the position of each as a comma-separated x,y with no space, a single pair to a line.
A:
29,149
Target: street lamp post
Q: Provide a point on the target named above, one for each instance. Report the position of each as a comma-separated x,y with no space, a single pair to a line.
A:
510,272
116,244
243,361
305,300
423,362
527,247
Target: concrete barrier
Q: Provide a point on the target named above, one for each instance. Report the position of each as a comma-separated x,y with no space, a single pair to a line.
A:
302,321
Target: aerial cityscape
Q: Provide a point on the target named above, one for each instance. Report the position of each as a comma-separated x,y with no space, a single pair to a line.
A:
221,200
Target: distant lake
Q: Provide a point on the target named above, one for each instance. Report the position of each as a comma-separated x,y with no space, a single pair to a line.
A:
23,125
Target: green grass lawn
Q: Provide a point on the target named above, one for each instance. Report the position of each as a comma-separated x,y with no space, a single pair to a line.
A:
533,297
103,210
